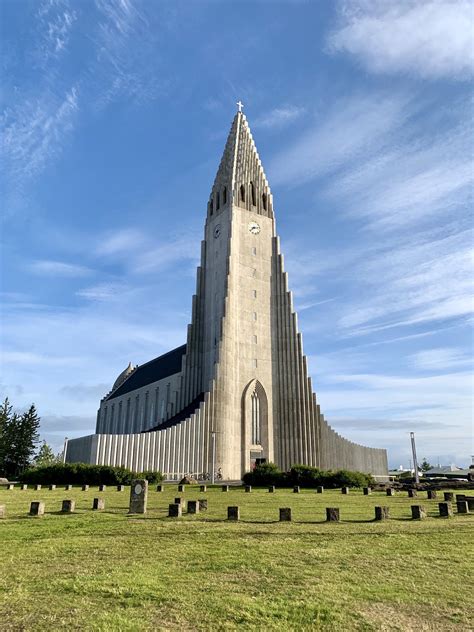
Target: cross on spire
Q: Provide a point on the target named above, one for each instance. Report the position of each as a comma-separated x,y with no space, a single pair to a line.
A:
240,105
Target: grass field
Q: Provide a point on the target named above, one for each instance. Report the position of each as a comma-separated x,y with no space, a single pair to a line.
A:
109,571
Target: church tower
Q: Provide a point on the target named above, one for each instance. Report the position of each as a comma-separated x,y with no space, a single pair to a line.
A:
243,394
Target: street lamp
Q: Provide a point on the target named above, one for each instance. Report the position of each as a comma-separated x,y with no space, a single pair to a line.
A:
415,462
213,472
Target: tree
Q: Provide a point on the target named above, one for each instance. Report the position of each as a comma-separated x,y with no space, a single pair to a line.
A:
46,456
18,438
425,466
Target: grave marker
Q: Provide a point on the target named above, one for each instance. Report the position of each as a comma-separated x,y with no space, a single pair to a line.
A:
85,488
68,506
3,511
225,488
193,506
202,504
37,508
271,489
138,496
296,489
203,488
431,494
159,488
390,491
52,487
320,489
345,490
233,513
448,497
175,510
248,489
285,514
98,504
412,493
367,491
445,510
382,513
332,514
418,512
102,488
461,506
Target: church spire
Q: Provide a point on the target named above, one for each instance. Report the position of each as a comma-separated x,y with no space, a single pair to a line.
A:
240,179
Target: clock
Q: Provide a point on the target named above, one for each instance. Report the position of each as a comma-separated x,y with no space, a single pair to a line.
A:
217,231
254,228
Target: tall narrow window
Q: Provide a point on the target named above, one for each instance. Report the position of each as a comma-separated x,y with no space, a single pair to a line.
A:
218,201
224,196
112,418
252,189
255,339
119,420
255,418
211,206
255,315
255,293
264,201
135,413
127,419
157,395
242,193
104,421
147,412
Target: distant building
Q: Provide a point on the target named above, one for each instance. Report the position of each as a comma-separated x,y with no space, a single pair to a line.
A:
238,392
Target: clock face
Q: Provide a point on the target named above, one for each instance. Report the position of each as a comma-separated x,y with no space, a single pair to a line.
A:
254,228
138,489
217,231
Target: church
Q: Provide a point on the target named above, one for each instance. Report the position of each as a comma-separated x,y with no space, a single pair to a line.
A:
238,392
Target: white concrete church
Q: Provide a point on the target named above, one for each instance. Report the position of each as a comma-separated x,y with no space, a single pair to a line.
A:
238,392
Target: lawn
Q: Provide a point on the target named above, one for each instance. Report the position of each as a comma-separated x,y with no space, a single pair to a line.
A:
109,571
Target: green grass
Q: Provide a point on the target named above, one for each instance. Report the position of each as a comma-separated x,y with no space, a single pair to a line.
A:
109,571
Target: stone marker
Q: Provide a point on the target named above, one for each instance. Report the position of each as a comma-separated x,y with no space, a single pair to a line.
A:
412,494
448,497
3,511
470,502
382,513
10,486
390,491
159,488
180,488
431,494
68,506
332,514
24,487
68,488
37,488
138,496
193,506
85,488
98,503
175,511
225,488
52,487
460,497
233,513
320,489
203,488
248,489
179,501
367,491
345,490
102,488
271,489
120,488
37,508
445,510
202,504
296,489
418,512
461,506
285,514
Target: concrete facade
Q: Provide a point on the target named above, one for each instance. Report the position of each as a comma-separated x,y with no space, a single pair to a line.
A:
243,381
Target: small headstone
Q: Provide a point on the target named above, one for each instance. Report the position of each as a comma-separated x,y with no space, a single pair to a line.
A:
3,511
120,488
203,488
37,508
68,506
102,488
412,493
85,488
418,512
179,501
460,497
332,514
233,513
68,488
24,487
98,503
193,506
296,489
52,487
367,491
248,489
180,488
285,514
461,506
271,489
10,486
344,490
202,504
225,488
470,502
320,489
448,497
159,488
382,513
445,510
37,487
138,496
390,491
431,494
175,510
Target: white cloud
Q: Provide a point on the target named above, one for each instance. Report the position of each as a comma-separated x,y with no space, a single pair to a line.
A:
58,269
279,117
428,39
442,358
126,240
103,291
56,20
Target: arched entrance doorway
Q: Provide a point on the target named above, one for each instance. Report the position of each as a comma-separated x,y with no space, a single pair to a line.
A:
254,425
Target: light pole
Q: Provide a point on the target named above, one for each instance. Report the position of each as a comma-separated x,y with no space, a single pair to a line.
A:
415,462
213,473
65,449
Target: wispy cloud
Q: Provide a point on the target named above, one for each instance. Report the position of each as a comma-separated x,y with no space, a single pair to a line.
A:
121,241
103,291
58,269
442,358
428,39
279,117
56,20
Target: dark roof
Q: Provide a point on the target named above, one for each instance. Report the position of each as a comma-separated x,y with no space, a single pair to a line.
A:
157,369
183,414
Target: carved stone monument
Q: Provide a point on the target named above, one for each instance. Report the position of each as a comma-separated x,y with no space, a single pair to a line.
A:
138,496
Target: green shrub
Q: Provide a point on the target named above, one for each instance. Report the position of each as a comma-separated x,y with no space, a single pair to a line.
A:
264,474
84,474
306,476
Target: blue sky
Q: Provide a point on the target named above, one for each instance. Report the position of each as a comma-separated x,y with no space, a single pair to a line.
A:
114,117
